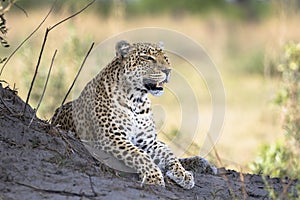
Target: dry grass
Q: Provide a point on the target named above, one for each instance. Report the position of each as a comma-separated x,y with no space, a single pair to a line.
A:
250,120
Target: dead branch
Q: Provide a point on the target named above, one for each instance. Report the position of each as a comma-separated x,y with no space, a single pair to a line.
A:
244,189
44,89
7,107
42,50
66,96
83,62
26,39
92,185
20,8
36,69
71,16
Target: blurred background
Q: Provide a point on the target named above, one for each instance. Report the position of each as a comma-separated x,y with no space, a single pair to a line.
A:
246,39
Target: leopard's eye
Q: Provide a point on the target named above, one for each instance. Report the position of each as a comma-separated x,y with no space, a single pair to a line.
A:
150,58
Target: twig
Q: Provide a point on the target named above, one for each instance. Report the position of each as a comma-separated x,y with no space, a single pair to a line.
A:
44,89
47,79
66,96
285,189
8,108
230,189
83,62
215,151
22,9
36,69
69,146
92,186
244,190
26,39
2,100
42,50
71,16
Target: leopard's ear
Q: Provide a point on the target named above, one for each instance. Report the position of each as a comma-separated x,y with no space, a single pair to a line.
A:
122,48
161,45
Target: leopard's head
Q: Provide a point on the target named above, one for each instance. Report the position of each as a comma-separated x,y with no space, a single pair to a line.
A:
146,66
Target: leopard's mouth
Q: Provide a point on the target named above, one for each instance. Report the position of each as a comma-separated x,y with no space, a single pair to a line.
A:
156,89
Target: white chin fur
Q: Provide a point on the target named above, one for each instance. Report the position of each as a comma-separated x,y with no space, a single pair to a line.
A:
156,92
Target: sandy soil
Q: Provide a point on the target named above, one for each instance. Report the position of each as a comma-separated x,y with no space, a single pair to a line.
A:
39,162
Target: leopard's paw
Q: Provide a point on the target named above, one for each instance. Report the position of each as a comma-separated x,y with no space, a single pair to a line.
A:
153,178
198,165
185,179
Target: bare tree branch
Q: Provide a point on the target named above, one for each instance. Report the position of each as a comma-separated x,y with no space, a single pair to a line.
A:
71,16
36,69
88,53
26,39
42,50
22,9
66,96
44,89
47,79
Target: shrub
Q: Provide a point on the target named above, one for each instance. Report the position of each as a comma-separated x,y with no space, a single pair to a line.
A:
289,96
282,159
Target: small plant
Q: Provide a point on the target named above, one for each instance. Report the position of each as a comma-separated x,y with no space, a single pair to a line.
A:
276,160
282,158
289,95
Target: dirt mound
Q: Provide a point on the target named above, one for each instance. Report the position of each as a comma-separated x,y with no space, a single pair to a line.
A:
39,162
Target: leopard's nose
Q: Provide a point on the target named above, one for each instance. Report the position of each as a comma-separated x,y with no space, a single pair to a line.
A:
167,71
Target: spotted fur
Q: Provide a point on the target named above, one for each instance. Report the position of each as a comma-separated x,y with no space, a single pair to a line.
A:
114,113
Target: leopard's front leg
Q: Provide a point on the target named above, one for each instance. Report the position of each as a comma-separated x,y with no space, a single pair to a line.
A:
167,161
133,157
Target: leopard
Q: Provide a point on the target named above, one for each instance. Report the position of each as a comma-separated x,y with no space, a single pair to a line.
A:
113,113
